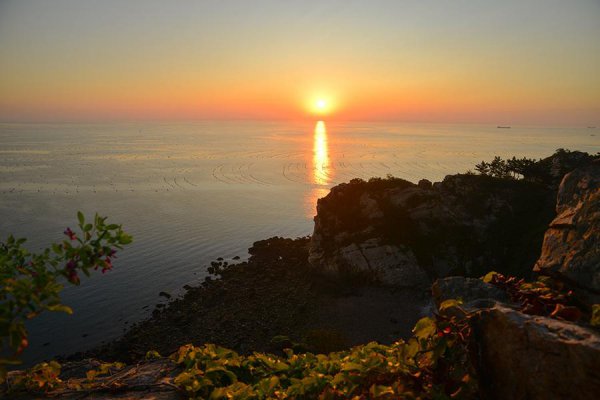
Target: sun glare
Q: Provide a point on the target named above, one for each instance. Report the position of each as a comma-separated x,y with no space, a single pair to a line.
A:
320,106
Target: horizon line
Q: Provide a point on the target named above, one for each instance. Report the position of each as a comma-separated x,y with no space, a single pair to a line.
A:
93,121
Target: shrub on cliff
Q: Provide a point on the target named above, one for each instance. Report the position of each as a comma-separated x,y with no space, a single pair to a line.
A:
512,168
548,171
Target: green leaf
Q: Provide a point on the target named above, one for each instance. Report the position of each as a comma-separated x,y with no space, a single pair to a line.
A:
60,308
217,372
380,390
267,386
595,321
449,304
125,238
57,248
424,328
351,366
411,349
152,355
237,390
487,278
81,218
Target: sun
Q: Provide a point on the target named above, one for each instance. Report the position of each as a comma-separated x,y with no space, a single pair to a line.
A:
321,103
321,106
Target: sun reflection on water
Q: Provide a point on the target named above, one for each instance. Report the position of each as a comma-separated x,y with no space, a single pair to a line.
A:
321,174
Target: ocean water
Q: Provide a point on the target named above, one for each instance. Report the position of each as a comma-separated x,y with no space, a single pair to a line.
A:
189,193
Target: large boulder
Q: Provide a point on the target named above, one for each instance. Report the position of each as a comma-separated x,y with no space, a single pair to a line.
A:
571,247
521,356
401,234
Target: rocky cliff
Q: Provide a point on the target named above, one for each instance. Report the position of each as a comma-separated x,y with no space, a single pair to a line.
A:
571,249
402,234
538,349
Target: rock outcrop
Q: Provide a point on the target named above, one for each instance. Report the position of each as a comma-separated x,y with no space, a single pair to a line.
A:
401,234
551,170
571,248
521,356
146,380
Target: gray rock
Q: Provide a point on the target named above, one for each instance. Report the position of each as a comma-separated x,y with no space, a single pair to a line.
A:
571,247
384,263
146,380
469,290
531,357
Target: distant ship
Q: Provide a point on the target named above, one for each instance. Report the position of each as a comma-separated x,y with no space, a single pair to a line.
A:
503,127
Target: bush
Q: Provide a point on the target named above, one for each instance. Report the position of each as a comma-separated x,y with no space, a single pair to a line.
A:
31,283
506,169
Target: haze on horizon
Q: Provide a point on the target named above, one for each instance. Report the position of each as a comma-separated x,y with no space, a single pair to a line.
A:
521,62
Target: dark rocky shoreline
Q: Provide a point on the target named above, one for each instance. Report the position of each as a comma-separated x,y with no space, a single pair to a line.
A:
273,300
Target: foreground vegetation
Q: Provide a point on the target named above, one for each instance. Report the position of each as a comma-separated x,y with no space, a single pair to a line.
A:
31,283
434,363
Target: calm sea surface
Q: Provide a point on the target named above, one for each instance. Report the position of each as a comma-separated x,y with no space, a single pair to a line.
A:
190,193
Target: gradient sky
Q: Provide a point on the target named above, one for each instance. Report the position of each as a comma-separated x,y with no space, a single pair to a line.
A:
521,62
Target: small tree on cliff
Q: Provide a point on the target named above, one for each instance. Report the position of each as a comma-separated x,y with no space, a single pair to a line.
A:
506,169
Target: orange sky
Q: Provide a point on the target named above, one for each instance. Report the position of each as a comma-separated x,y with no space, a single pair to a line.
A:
497,62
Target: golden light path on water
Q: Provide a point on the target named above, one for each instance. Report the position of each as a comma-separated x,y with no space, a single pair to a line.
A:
320,165
322,174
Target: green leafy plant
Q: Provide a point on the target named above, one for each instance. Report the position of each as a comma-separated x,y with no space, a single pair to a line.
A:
30,283
432,364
